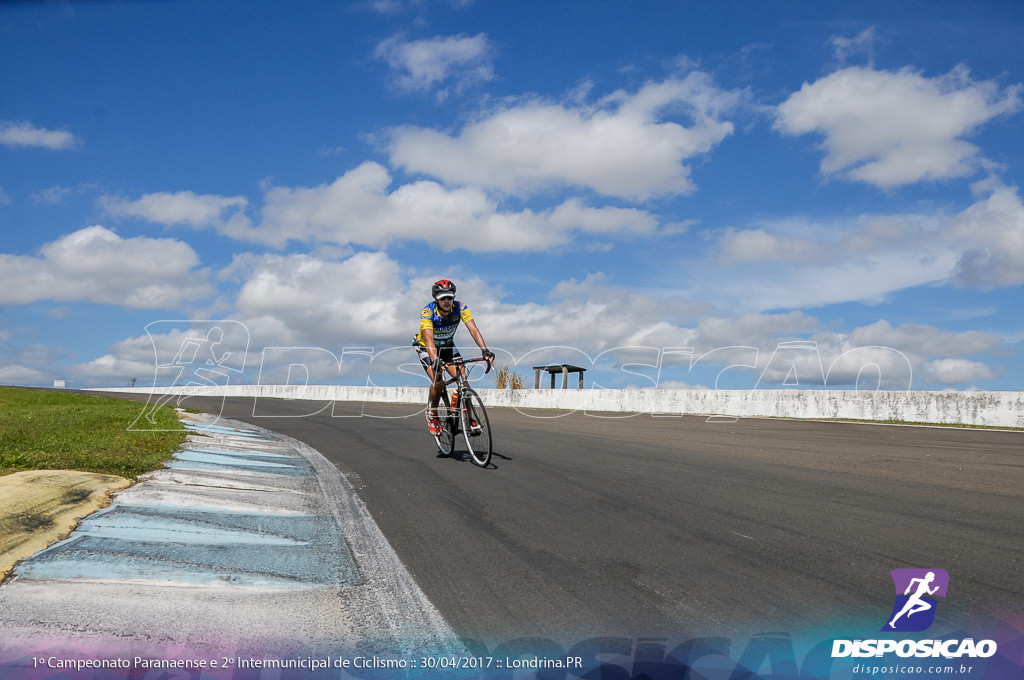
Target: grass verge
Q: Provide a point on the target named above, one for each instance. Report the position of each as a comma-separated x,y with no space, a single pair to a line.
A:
50,430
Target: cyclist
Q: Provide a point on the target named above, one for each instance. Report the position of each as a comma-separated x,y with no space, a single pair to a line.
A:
436,341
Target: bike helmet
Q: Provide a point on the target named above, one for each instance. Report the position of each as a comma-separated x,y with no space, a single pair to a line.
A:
444,287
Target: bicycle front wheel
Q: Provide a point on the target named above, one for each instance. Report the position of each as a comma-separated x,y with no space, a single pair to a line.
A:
446,439
475,427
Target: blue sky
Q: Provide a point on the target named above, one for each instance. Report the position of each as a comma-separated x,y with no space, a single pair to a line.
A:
682,194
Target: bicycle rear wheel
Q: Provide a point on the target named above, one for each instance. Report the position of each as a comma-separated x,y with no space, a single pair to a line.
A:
475,427
446,439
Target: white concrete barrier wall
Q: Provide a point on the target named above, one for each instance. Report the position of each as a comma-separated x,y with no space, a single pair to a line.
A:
989,409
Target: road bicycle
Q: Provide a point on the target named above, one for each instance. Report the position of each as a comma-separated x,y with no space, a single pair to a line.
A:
464,413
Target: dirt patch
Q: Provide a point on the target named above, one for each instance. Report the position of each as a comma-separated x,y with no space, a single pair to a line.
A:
40,507
30,522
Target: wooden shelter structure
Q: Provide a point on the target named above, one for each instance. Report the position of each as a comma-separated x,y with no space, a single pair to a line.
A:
553,369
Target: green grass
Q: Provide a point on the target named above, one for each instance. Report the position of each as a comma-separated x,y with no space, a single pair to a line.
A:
51,430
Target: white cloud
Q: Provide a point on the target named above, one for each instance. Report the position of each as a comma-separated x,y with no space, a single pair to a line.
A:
895,128
368,299
751,329
31,364
992,236
863,42
359,208
300,309
28,135
791,349
959,371
575,215
362,208
758,245
629,145
757,349
306,300
51,196
167,347
95,264
800,264
15,374
183,207
386,6
802,283
923,340
110,370
850,366
588,314
424,65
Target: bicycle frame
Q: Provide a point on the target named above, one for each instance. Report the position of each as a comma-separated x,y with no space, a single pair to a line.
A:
467,416
461,374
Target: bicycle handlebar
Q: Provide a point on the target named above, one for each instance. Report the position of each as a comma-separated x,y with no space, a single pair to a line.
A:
460,361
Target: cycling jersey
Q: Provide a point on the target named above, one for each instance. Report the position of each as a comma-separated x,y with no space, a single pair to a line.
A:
444,326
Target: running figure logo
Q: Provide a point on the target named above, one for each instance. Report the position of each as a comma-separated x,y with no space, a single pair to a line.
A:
914,608
192,354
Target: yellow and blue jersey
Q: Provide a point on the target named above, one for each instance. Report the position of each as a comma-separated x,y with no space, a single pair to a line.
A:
444,326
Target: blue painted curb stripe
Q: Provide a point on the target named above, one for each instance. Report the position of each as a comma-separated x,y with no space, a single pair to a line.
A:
215,429
244,452
200,547
240,460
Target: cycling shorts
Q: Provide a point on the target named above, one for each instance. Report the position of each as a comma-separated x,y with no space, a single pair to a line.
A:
449,354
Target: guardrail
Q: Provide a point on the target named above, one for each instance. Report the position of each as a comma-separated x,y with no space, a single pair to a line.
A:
976,408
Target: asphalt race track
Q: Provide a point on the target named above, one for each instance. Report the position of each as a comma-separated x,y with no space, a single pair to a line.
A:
677,527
